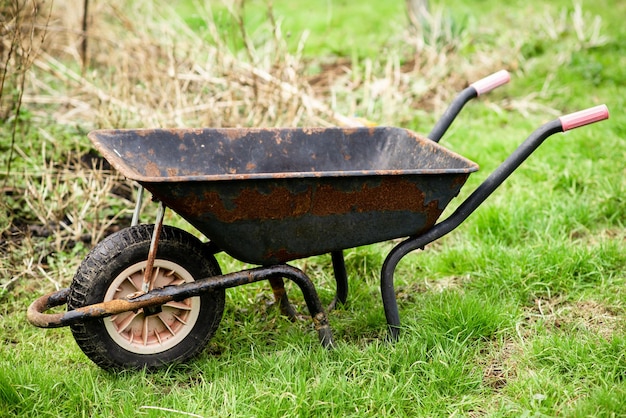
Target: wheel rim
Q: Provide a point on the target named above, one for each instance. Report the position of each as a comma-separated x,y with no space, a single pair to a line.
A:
141,334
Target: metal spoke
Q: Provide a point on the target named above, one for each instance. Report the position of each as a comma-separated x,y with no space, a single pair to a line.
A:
130,279
155,275
176,282
145,332
179,319
123,325
178,305
166,325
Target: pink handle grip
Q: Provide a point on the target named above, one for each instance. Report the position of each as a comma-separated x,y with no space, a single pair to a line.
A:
584,117
490,82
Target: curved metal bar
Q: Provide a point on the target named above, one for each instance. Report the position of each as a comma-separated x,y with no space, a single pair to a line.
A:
167,294
35,313
451,113
475,89
465,209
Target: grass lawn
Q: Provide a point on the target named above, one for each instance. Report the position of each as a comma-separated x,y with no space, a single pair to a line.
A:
521,311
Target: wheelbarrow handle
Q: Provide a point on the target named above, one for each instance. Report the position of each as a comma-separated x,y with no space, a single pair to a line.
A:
474,90
485,85
584,117
517,157
474,200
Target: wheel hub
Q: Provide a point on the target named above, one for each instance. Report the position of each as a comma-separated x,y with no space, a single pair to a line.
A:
157,329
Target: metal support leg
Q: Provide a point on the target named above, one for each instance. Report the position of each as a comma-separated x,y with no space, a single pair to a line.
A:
387,289
135,219
156,233
341,278
280,297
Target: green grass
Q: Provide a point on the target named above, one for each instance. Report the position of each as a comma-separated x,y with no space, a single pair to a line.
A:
364,26
519,312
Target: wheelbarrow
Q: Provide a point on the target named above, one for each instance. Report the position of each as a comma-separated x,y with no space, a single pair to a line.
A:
151,295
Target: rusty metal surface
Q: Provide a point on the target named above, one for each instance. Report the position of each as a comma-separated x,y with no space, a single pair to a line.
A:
35,313
281,298
268,196
174,155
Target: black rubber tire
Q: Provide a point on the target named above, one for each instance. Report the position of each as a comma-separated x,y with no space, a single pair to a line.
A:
113,256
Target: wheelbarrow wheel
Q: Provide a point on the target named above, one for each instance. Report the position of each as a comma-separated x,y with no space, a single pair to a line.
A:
114,269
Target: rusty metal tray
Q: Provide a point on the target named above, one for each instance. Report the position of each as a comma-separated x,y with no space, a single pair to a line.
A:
267,196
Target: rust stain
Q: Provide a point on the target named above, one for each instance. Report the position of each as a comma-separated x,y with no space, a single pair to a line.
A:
281,135
233,133
282,255
172,172
279,204
312,131
389,195
249,204
152,169
117,306
145,133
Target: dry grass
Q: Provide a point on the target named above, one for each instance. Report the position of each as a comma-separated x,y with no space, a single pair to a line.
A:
144,72
586,315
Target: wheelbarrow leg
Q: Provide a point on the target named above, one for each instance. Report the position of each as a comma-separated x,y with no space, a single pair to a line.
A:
341,278
387,289
281,298
320,319
135,219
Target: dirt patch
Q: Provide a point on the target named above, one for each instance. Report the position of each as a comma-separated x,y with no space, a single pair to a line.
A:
500,366
589,315
322,82
407,293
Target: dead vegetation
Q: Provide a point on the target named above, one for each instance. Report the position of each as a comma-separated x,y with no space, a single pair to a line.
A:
147,67
557,314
